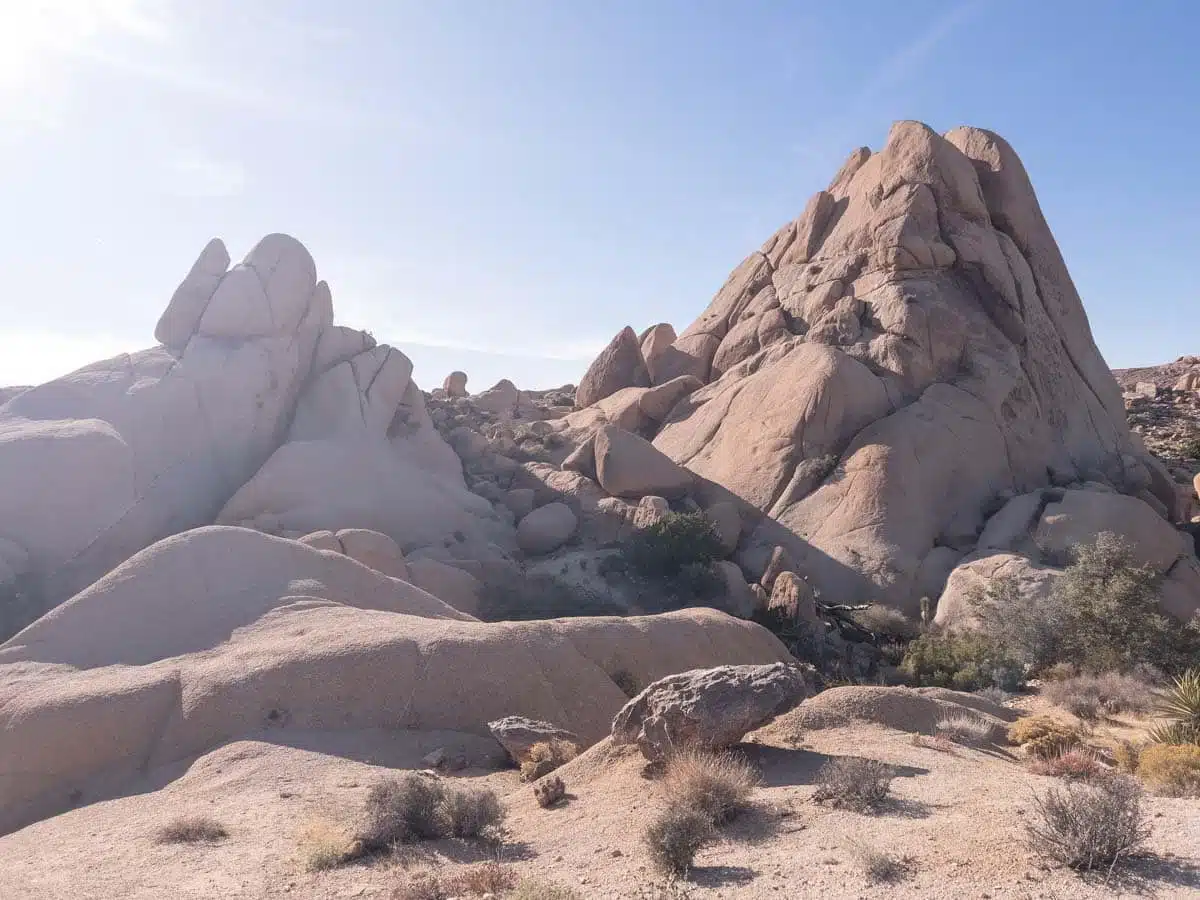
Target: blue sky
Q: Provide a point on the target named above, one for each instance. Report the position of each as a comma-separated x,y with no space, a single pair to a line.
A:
500,185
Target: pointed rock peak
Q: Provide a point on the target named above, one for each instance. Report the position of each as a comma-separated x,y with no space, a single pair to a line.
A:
619,365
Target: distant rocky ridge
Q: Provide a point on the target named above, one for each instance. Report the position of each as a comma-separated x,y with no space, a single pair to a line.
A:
897,397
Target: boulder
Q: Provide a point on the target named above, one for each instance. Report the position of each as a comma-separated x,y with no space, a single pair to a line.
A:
740,600
629,466
520,501
972,576
378,551
455,587
517,734
710,709
619,365
656,342
793,600
455,385
1080,515
546,528
650,510
1189,381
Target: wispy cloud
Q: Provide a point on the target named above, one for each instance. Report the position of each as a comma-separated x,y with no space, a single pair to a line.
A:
195,174
831,136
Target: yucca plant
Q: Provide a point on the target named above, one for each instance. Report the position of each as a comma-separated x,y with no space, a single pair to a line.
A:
1180,706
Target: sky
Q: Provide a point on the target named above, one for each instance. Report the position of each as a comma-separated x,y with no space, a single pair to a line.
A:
499,186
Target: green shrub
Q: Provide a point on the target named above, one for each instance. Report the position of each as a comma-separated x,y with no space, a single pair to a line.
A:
966,661
661,550
1101,615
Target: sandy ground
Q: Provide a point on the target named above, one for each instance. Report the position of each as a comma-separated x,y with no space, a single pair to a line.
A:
958,815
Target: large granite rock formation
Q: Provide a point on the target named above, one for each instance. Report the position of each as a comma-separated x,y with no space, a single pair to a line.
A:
892,367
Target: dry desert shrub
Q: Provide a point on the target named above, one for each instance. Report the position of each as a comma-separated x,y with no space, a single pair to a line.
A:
1127,755
546,756
416,808
886,622
1090,696
1043,738
1171,769
1074,765
489,878
474,813
1089,825
715,785
536,889
964,728
933,742
549,791
855,783
191,830
324,845
674,837
879,866
996,695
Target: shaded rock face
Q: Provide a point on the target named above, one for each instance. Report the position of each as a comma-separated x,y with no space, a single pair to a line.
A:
891,366
709,708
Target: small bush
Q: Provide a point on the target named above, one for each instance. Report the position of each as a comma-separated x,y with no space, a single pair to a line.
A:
1170,769
675,836
662,549
716,785
403,811
878,866
191,830
546,756
1090,696
1043,738
1074,765
886,623
1089,825
535,889
964,661
474,813
964,728
1101,615
489,878
324,846
1180,706
549,791
851,782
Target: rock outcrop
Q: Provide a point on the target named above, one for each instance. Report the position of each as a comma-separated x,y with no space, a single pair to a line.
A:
893,366
223,632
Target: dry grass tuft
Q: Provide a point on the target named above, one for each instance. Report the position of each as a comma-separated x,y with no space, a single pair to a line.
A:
936,742
535,889
964,728
675,836
489,878
1171,769
1074,765
546,756
324,845
878,866
852,782
715,785
191,830
1090,697
549,791
1090,825
474,814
